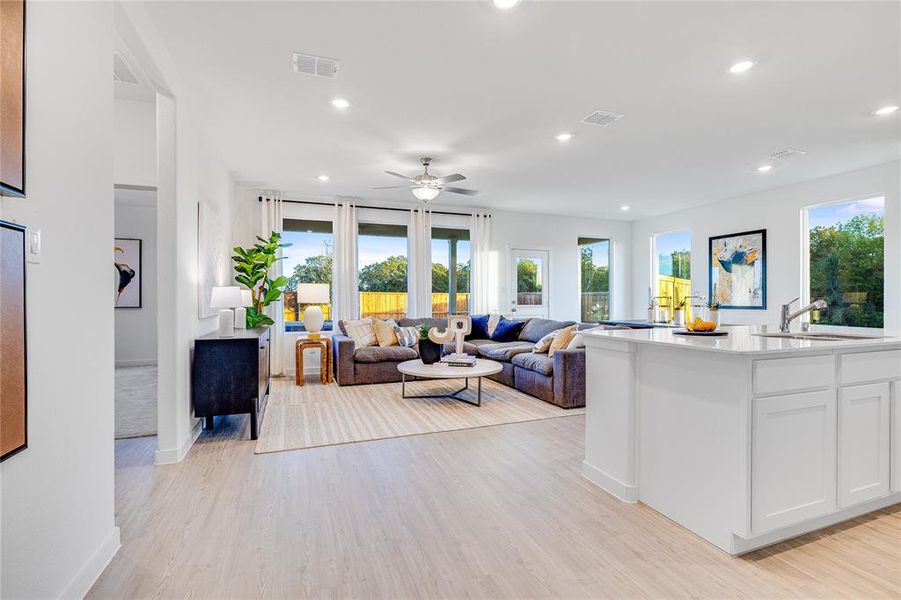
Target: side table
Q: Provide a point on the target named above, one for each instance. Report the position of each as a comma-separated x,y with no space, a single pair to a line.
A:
325,364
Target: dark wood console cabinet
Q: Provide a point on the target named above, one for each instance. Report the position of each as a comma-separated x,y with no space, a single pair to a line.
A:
230,376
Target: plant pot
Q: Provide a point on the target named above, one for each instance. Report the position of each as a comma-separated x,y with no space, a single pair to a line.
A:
429,352
679,317
652,315
714,315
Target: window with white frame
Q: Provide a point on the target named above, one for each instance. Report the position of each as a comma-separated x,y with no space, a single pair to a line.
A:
307,260
671,276
450,271
594,279
382,263
846,262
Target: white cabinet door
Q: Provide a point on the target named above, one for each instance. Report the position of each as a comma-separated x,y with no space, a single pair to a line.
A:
864,427
793,470
896,436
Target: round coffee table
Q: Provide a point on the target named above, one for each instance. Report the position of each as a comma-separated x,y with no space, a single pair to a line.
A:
439,370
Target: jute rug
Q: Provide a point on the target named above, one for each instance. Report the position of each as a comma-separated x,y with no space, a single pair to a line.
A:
317,415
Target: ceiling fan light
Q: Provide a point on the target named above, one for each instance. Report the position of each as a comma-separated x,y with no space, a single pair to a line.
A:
426,193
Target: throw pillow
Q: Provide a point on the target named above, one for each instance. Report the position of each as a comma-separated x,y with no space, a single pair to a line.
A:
384,332
561,339
361,332
544,344
578,341
479,329
507,330
406,336
493,320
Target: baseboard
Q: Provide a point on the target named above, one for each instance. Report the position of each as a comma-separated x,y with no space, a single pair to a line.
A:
176,455
136,363
609,483
91,571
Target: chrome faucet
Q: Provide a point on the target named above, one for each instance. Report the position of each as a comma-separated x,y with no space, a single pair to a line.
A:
788,317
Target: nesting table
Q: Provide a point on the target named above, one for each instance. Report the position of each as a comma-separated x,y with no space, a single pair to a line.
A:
324,343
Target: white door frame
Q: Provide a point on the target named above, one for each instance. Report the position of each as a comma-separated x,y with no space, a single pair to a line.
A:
544,255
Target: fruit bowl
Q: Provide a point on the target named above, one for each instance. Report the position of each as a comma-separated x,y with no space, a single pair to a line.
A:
699,325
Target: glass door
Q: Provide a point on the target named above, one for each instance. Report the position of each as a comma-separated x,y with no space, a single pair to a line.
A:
529,282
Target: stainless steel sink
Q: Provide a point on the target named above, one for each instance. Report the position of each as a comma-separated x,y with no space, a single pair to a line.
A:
817,337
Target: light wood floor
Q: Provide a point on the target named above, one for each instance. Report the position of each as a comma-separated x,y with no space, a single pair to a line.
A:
498,512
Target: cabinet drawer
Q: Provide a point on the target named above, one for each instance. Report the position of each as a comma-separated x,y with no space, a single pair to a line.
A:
861,367
779,375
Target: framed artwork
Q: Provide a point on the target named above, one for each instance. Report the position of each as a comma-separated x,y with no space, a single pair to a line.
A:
127,260
12,98
13,367
738,270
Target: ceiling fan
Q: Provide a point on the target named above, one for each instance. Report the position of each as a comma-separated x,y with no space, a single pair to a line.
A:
427,187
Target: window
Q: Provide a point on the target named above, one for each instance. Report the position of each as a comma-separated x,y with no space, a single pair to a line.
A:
450,272
307,260
594,277
529,282
672,269
382,257
846,262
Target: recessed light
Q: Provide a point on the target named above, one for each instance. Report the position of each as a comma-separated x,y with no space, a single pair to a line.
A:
741,66
764,168
624,207
885,110
505,4
323,178
564,137
340,103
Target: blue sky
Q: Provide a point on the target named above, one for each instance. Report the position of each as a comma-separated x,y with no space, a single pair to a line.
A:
830,214
600,256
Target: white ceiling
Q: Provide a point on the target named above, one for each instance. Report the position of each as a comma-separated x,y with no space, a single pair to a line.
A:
485,92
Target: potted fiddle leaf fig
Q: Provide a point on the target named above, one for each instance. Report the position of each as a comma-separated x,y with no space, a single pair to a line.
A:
253,266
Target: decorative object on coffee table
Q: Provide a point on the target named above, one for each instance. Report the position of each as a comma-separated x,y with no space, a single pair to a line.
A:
416,368
458,327
325,361
429,351
226,298
313,294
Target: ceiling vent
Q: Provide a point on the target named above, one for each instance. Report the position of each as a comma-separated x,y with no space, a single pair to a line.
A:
121,71
787,153
318,66
602,118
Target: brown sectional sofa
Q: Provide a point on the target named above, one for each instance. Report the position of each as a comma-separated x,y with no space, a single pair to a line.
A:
559,379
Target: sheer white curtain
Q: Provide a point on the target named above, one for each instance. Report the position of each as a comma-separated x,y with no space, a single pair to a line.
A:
419,272
271,220
345,295
480,244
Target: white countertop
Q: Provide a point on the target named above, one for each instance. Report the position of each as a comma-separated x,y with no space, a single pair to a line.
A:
741,340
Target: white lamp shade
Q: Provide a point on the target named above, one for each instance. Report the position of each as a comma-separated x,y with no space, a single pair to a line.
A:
226,297
313,293
246,298
426,193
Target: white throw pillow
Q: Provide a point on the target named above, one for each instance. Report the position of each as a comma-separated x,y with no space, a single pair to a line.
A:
361,332
544,344
578,341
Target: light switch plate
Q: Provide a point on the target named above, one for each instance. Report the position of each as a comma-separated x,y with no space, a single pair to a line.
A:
33,244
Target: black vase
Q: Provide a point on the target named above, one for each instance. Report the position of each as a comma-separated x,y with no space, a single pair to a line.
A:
429,352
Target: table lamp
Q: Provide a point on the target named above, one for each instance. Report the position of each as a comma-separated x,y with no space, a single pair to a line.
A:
226,298
241,311
315,294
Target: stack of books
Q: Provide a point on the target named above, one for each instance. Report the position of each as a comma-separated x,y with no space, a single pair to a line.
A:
459,360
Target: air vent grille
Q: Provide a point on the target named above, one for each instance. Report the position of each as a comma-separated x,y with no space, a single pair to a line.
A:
602,118
318,66
787,153
121,71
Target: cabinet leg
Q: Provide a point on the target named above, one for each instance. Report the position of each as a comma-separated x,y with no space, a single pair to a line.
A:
208,422
253,424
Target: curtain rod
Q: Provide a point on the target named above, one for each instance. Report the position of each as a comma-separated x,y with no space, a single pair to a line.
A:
437,212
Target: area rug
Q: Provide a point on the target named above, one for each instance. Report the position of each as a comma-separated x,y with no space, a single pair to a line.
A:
135,401
324,415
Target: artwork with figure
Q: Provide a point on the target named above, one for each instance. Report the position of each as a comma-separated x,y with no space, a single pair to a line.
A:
738,269
127,261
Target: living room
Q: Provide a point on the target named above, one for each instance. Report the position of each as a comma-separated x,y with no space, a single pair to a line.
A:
506,285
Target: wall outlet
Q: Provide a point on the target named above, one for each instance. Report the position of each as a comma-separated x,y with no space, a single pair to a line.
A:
33,244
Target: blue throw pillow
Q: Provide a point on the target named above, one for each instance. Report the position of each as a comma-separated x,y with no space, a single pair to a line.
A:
507,330
479,328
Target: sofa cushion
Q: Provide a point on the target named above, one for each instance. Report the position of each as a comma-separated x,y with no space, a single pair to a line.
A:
536,329
479,328
503,351
373,354
507,330
540,363
429,322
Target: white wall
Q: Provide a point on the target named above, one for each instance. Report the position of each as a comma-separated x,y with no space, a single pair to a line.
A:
136,333
134,161
779,212
57,520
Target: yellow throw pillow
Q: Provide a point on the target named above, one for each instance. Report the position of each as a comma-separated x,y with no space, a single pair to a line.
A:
561,339
384,332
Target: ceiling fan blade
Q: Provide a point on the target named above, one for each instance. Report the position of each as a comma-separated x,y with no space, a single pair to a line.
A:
399,175
390,187
448,179
456,190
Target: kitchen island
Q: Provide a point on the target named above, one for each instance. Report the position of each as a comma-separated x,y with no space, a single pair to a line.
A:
744,439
